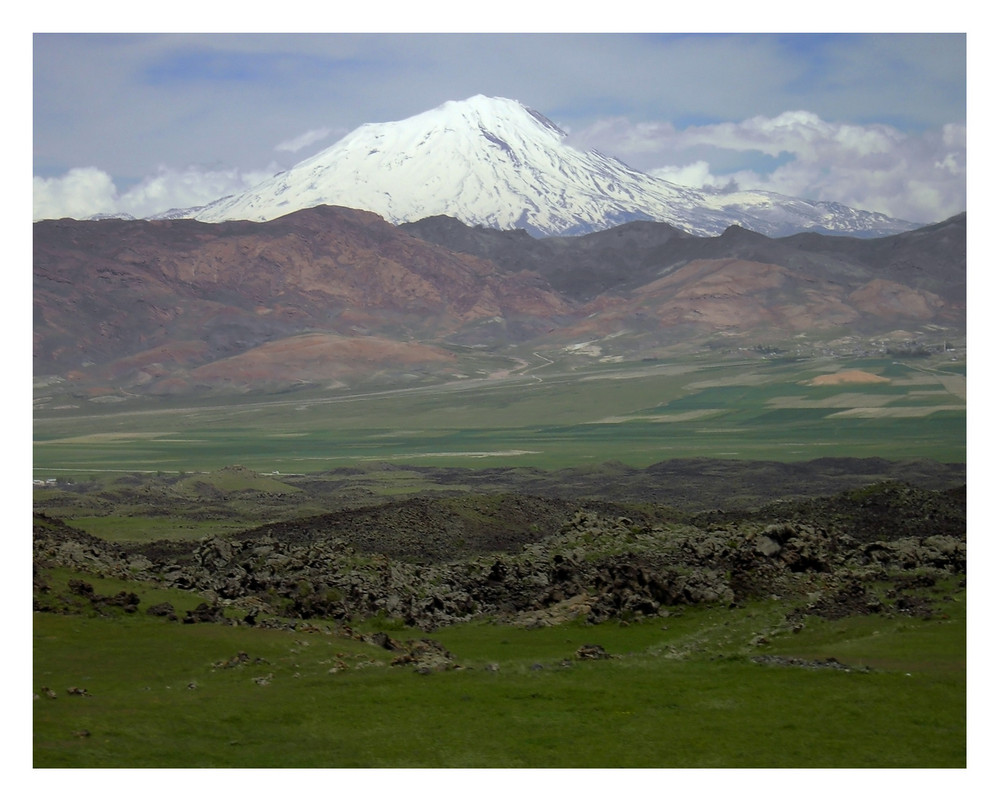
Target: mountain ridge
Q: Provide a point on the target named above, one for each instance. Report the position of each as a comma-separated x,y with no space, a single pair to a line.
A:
331,296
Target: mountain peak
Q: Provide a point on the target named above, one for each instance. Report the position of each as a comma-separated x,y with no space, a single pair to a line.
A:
489,117
495,162
481,104
493,110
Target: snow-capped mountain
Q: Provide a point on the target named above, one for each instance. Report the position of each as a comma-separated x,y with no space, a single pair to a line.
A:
496,163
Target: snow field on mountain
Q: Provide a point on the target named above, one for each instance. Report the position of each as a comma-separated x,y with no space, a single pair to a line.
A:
494,162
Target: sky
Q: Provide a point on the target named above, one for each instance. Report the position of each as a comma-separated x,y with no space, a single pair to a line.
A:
142,123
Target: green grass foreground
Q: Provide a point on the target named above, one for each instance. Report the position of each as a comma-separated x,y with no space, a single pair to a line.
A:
680,691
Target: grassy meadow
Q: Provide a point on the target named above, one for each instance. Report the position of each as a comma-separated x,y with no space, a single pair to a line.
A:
678,691
682,690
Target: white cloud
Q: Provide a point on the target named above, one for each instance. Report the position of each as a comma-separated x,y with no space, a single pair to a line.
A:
876,167
696,174
180,189
83,191
303,140
87,191
801,133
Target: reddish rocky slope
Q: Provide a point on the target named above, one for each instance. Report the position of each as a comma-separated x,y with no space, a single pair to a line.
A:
328,294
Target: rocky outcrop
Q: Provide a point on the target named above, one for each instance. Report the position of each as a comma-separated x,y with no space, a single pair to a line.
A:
424,656
594,567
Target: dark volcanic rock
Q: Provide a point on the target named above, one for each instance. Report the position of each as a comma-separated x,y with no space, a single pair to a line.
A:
163,610
204,614
536,563
592,651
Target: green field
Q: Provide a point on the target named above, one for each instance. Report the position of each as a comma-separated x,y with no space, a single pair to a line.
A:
682,690
679,691
640,413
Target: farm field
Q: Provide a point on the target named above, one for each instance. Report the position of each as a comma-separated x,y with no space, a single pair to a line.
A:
548,416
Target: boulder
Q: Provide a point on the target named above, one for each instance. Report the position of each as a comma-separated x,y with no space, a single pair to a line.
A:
426,655
592,651
204,614
163,610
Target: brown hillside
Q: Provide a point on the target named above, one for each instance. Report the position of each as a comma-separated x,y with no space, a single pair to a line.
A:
129,300
327,296
735,295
